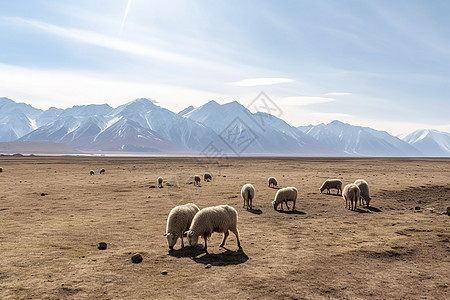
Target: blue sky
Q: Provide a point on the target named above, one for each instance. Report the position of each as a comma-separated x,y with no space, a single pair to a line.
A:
383,64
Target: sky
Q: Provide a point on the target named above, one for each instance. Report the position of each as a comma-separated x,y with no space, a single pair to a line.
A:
382,64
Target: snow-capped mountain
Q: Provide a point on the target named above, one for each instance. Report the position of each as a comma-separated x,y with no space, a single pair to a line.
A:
429,141
359,141
245,132
16,119
143,126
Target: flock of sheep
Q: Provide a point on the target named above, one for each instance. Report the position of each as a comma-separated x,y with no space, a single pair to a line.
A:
189,221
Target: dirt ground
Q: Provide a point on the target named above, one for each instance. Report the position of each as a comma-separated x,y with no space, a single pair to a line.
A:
53,214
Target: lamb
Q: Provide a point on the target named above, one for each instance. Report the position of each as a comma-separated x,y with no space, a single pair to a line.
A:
213,219
207,177
248,193
91,172
102,171
283,196
351,193
197,180
331,184
178,221
160,181
273,182
365,193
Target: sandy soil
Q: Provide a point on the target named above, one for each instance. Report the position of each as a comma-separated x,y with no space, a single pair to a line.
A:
53,215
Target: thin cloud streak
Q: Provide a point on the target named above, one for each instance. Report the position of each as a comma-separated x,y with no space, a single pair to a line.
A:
261,81
306,100
125,15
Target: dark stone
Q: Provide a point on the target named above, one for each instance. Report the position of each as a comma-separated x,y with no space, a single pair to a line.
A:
164,272
102,246
417,208
136,258
43,194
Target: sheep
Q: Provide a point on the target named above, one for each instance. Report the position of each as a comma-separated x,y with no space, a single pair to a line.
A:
331,184
1,169
213,219
285,195
207,177
91,172
197,180
273,182
160,182
178,221
248,193
102,171
351,193
365,193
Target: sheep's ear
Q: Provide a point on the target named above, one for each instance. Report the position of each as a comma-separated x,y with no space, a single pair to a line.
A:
185,233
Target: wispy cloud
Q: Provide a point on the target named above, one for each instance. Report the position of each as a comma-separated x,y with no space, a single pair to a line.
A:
338,94
306,100
125,15
261,81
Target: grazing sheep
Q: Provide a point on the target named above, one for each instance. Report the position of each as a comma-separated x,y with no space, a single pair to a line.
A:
178,221
273,182
283,196
331,184
365,193
102,171
351,193
160,181
91,172
213,219
207,177
248,193
1,170
197,180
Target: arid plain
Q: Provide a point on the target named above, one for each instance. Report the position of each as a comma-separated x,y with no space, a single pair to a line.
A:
53,214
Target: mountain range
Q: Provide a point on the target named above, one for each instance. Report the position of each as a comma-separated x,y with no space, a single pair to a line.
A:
212,129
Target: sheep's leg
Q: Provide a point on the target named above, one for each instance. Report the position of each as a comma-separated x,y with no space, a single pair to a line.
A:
206,246
182,242
293,207
236,233
225,235
285,202
251,203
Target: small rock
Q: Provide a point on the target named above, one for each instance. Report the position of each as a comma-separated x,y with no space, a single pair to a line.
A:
208,266
448,210
43,194
102,246
417,208
136,258
164,272
152,187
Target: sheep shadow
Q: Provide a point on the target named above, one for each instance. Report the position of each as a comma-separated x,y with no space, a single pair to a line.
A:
374,209
185,252
223,259
275,187
255,211
291,212
362,211
334,195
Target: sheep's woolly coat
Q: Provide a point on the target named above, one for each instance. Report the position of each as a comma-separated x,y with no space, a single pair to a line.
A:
351,193
365,193
220,219
196,180
160,181
248,193
272,181
207,177
102,171
331,184
91,172
283,196
178,221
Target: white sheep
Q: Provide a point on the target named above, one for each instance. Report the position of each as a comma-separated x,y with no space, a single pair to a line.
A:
207,177
91,172
365,193
248,193
273,182
331,184
102,171
160,181
283,196
220,219
1,170
178,221
197,180
351,193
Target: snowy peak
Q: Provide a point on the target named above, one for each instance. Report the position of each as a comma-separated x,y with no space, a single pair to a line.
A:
429,141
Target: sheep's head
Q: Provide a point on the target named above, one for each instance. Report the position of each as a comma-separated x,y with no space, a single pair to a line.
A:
192,237
321,189
368,201
171,239
274,203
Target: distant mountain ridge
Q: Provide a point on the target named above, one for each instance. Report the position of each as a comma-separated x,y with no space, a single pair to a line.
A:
229,129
